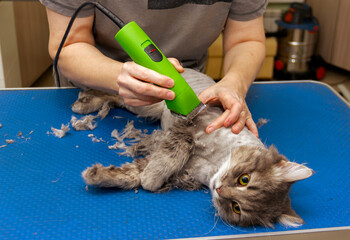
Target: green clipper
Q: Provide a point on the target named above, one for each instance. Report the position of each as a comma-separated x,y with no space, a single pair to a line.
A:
144,52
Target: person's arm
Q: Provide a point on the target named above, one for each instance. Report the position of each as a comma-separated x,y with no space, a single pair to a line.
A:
79,60
82,62
244,52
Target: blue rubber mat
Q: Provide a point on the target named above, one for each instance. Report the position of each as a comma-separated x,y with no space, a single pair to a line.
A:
42,195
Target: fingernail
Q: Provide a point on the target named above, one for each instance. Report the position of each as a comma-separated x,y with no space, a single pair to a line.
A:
170,83
227,123
210,130
170,95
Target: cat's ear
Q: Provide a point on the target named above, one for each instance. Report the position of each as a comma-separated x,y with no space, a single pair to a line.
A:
292,172
290,219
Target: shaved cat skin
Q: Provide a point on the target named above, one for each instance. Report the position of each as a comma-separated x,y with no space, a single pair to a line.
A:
249,182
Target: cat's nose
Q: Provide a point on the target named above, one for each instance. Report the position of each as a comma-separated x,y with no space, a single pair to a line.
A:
218,190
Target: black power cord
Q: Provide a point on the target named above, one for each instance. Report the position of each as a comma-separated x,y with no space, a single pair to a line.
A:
104,10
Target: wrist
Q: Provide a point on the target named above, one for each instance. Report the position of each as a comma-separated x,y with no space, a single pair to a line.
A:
237,83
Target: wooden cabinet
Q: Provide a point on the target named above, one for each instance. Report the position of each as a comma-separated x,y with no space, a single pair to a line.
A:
215,62
334,40
23,43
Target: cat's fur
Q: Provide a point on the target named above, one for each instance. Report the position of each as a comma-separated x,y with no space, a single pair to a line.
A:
182,155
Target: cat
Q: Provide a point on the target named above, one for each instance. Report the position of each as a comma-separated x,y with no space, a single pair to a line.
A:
249,182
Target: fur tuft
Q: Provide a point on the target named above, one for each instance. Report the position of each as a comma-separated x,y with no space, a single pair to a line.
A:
290,221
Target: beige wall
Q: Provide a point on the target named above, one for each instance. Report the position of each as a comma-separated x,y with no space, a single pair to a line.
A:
23,43
9,61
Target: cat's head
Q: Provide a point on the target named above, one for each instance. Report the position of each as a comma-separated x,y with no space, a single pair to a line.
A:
253,187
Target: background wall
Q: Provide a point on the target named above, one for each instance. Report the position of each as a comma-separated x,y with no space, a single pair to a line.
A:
23,43
9,60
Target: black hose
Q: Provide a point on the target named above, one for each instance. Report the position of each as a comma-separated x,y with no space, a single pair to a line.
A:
104,10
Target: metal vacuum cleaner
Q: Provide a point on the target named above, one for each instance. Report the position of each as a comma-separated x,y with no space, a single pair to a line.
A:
297,41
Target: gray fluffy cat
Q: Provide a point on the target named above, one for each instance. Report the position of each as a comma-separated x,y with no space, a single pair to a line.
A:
249,182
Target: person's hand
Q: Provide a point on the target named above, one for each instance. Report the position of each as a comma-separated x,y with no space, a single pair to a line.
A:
236,112
140,86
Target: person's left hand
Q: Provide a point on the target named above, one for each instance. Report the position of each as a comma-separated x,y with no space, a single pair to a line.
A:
236,112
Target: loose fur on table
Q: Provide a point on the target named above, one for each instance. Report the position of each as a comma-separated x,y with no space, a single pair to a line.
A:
249,182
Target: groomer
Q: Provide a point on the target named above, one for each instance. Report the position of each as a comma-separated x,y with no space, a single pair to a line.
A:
183,30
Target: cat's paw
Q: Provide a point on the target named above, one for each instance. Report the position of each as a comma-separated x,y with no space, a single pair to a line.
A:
150,182
92,174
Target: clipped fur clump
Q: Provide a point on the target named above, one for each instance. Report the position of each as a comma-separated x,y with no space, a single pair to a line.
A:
249,182
60,133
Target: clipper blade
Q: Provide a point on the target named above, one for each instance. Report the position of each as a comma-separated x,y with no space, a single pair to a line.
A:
201,106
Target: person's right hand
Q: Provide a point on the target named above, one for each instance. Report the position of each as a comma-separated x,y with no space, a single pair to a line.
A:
140,86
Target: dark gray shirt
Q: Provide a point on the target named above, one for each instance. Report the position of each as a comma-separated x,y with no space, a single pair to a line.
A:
183,29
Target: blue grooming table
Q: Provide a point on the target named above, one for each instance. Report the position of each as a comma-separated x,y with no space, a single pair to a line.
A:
42,194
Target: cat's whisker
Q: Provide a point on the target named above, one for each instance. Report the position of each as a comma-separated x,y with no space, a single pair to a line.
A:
262,223
265,226
211,208
252,224
232,226
216,219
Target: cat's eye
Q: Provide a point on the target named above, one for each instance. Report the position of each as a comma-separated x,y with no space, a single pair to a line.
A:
244,179
236,208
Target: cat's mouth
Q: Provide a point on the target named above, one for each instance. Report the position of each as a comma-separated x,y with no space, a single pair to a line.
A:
213,186
214,183
216,189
